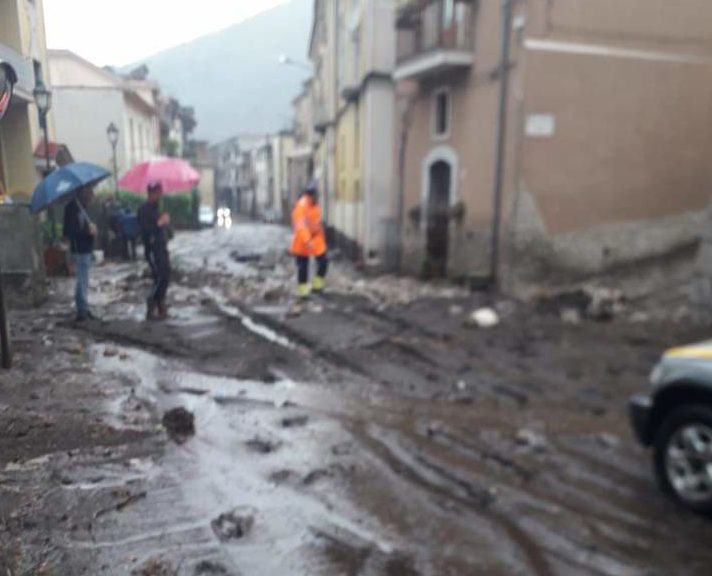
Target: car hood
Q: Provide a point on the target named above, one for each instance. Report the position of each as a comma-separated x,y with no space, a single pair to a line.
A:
685,364
701,351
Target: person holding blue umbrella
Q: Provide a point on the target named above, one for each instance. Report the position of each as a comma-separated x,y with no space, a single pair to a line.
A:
74,182
81,232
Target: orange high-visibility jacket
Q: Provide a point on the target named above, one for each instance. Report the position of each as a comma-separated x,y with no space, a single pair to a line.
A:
309,238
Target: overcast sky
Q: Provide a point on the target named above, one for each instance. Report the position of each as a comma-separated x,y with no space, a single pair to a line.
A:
120,32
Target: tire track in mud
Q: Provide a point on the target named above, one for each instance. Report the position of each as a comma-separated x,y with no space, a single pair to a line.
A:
476,501
610,525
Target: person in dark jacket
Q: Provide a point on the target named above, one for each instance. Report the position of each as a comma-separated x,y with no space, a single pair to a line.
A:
154,233
80,232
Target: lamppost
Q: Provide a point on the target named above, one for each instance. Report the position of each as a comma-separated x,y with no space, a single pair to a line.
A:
43,99
112,133
285,60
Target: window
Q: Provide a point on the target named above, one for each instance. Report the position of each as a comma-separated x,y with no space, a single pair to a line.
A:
441,114
357,136
448,13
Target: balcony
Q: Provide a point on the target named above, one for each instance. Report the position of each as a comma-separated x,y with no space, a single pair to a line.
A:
23,69
434,37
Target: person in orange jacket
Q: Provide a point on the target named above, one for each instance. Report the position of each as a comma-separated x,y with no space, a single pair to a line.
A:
309,241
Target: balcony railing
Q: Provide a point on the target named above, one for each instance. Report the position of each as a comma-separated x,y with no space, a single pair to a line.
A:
23,69
427,27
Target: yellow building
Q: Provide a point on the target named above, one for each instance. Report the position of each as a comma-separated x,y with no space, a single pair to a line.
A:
353,52
23,46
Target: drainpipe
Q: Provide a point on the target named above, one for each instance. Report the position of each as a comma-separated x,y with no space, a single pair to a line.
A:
507,14
406,114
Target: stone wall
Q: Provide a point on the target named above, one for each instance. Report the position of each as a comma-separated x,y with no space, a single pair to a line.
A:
21,259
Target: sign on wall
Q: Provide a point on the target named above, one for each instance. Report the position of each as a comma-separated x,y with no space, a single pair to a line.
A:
540,125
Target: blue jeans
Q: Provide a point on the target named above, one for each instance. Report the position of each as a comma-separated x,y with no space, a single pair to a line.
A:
82,263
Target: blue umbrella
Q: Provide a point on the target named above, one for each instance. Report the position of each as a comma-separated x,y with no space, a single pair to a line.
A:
65,182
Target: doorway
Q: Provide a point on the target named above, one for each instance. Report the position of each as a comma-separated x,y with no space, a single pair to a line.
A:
438,220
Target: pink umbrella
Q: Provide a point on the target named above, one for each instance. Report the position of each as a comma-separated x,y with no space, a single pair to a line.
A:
174,174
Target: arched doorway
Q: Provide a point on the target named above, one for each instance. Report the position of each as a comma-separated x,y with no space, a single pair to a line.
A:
438,229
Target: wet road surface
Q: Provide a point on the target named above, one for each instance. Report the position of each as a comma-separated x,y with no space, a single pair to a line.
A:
359,435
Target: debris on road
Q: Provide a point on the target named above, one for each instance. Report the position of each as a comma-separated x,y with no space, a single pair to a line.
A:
208,568
484,318
261,446
234,525
592,302
156,568
180,424
295,421
531,439
110,352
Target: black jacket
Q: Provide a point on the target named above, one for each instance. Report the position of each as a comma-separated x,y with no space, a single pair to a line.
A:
76,229
154,237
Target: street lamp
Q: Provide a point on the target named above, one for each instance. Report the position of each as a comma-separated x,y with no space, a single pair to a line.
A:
112,133
285,60
43,99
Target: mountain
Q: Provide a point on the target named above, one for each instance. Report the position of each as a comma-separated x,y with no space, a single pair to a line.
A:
233,78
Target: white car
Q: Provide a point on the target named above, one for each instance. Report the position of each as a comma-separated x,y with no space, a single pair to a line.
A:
206,216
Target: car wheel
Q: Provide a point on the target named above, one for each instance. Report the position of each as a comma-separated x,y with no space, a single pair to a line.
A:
683,457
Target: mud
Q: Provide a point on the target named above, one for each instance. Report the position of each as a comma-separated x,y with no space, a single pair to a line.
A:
362,434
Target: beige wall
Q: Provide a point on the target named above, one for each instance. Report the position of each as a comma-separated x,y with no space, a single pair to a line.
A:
206,188
22,30
628,84
17,146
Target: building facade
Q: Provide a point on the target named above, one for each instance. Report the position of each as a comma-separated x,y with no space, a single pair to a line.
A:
304,153
87,99
23,46
607,135
282,147
353,51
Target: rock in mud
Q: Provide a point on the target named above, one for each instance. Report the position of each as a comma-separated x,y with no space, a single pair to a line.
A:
295,421
155,568
261,446
531,439
484,318
180,424
234,525
609,441
571,316
208,568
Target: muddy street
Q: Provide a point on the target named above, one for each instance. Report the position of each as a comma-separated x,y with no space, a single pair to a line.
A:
369,431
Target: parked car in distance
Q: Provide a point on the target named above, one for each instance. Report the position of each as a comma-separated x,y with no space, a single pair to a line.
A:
675,419
206,216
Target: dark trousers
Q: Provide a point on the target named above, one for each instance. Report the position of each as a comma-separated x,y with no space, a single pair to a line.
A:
160,265
322,267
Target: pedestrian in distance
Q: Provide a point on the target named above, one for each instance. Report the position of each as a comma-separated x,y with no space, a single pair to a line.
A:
129,233
81,232
309,241
154,225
